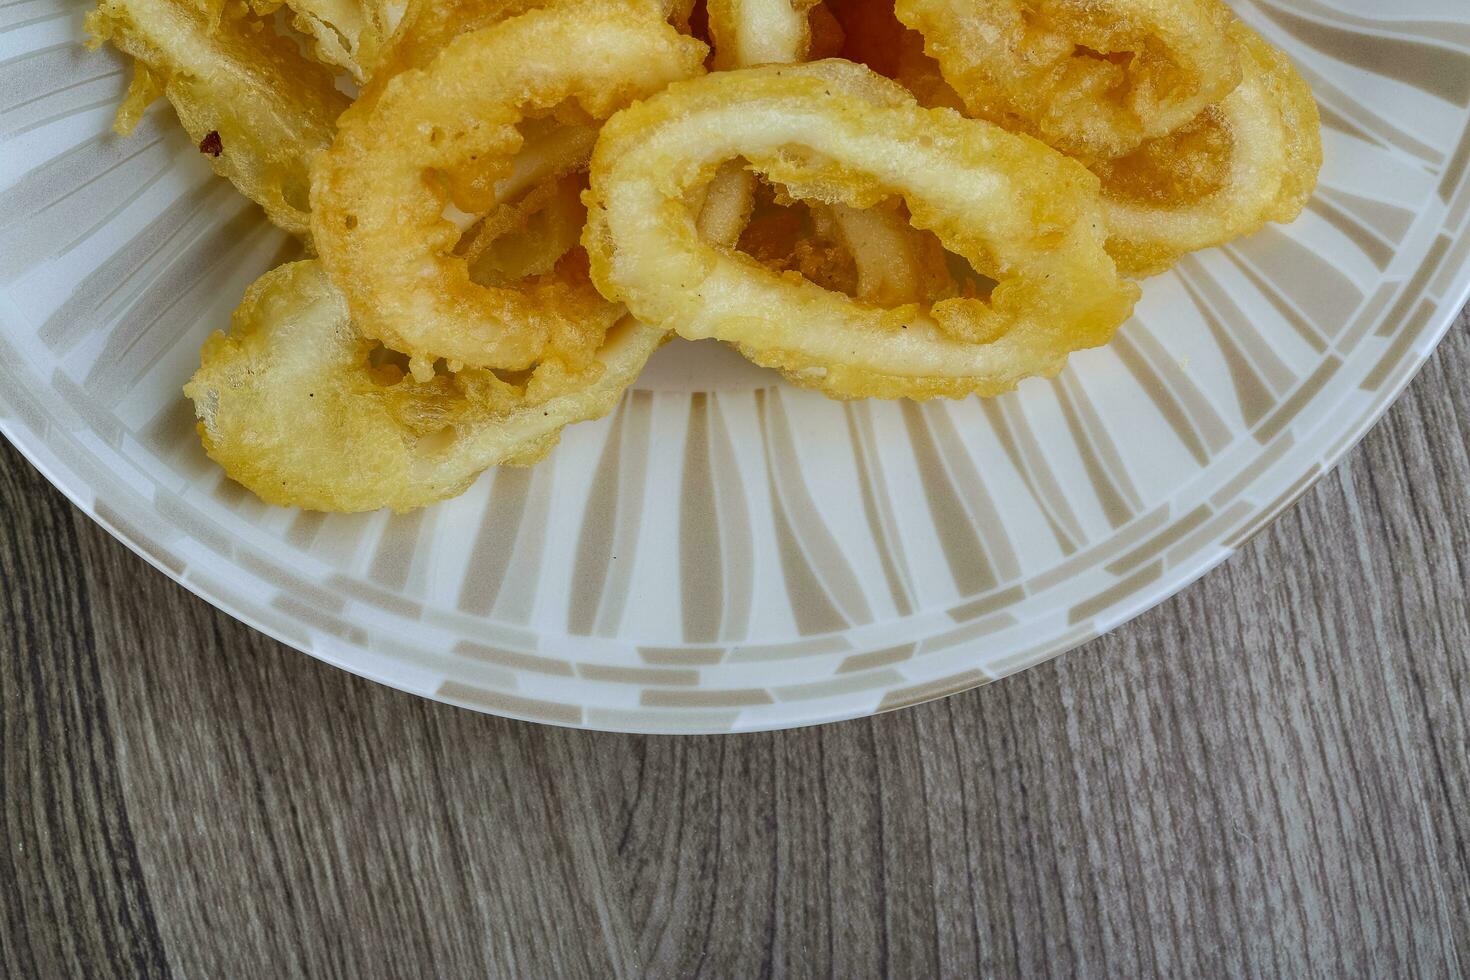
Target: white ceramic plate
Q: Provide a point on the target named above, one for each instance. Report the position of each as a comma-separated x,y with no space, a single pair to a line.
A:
726,553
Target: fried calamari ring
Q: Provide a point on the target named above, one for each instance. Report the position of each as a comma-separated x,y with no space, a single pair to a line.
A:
292,405
1021,214
428,25
1249,160
1091,77
759,32
259,109
447,133
882,246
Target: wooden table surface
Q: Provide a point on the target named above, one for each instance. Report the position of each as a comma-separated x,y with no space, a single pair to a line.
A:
1266,776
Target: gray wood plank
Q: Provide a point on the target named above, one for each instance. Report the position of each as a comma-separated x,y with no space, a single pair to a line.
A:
1265,776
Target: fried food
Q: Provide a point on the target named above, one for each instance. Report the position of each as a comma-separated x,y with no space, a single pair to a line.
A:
351,34
837,133
258,107
429,140
881,250
295,405
1091,77
759,32
1249,160
526,197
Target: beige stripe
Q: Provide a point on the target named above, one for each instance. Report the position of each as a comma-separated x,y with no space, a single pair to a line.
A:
1313,282
370,594
1178,400
704,698
509,704
814,647
589,575
1155,546
1233,328
639,720
1274,509
1414,291
396,545
1391,221
988,604
701,581
737,536
1094,557
638,675
1432,68
1208,534
969,565
1305,328
824,592
100,421
1109,597
1409,334
932,690
1453,263
876,658
878,507
608,544
966,633
1115,494
1379,251
305,526
1020,445
128,530
682,656
190,523
1332,119
321,621
495,542
513,660
837,686
1299,400
1260,463
975,493
1367,319
286,583
1454,171
633,469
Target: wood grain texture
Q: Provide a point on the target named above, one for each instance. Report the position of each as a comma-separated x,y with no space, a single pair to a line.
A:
1266,776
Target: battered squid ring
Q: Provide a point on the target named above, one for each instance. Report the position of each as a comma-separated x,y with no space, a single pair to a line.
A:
1020,213
759,32
447,133
291,405
1093,78
886,251
1251,159
428,25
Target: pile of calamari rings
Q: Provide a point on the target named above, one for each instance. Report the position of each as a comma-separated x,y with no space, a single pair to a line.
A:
510,205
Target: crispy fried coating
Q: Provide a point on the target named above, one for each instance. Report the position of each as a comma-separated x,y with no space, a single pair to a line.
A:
296,405
1249,160
449,133
835,132
270,108
1091,77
